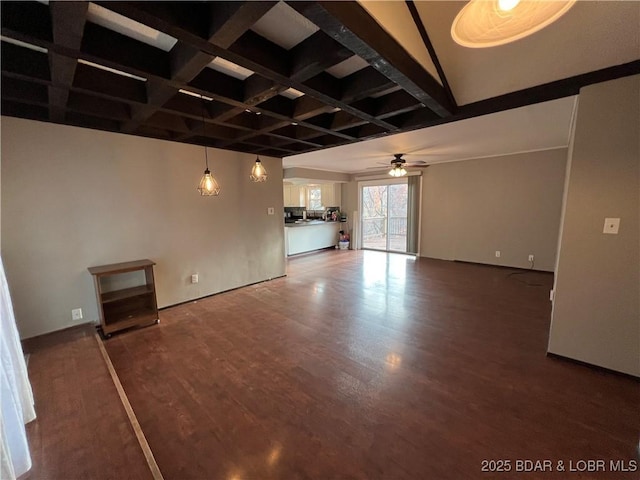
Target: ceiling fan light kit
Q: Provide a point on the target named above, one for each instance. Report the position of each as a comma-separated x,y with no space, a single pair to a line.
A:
489,23
398,170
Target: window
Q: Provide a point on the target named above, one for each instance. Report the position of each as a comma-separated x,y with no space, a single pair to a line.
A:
315,197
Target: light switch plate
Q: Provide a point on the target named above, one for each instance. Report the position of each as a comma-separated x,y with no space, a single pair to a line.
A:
270,211
611,226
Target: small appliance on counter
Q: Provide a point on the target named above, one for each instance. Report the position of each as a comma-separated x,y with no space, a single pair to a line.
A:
291,214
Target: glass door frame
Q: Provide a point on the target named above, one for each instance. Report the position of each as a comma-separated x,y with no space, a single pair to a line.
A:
376,183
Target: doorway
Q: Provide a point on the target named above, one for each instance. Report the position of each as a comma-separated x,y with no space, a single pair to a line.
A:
385,206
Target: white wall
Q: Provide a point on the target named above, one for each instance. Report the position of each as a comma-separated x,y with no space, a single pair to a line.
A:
596,311
74,198
511,203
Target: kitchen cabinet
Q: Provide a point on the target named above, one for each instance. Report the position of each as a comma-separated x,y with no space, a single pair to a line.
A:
296,195
309,237
331,196
291,196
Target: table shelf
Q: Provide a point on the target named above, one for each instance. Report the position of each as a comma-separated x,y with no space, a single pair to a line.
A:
125,307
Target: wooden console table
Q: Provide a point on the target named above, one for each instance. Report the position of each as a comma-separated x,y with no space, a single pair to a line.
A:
125,307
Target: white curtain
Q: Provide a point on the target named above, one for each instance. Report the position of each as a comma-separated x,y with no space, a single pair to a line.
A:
16,398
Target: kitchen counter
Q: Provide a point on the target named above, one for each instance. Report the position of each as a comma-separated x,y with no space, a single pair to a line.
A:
305,223
310,235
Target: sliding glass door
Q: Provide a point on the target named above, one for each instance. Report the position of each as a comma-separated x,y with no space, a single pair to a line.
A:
384,207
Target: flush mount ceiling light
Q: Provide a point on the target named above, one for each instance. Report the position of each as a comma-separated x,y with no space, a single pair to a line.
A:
258,172
208,186
488,23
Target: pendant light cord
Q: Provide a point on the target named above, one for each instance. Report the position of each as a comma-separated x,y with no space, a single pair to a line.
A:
204,133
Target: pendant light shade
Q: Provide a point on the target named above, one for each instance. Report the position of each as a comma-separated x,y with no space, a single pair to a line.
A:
488,23
398,170
208,186
258,172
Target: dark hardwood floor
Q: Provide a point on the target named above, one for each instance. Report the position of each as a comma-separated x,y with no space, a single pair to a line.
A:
81,430
364,365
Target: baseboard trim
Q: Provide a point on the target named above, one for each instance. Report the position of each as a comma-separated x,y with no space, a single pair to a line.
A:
220,293
591,366
502,266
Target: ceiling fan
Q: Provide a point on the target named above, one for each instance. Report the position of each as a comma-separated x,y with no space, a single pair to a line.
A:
399,165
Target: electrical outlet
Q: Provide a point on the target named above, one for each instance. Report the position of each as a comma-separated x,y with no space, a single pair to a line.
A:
194,278
497,253
76,314
531,257
270,211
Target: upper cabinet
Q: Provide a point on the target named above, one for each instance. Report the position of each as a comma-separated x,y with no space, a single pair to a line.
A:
298,195
293,196
331,194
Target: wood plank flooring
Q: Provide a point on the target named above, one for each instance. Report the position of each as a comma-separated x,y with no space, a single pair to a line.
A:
364,365
81,430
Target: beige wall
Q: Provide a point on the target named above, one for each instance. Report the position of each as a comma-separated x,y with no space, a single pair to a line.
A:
511,203
596,311
74,198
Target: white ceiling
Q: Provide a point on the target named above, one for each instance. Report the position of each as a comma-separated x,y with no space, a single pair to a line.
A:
592,35
542,126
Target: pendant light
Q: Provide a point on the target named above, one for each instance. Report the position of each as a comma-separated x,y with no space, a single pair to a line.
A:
398,170
208,186
488,23
258,172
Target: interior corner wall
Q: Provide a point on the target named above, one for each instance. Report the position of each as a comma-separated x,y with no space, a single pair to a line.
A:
596,310
510,203
73,198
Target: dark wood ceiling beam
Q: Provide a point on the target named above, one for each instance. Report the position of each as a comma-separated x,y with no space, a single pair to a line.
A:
257,50
68,20
307,107
364,83
258,89
292,140
432,51
166,121
90,121
115,50
350,89
26,20
23,110
410,120
24,62
27,92
395,103
344,120
97,81
351,25
231,20
296,132
250,51
314,55
91,105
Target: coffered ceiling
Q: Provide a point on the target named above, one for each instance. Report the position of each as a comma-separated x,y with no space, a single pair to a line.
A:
283,78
